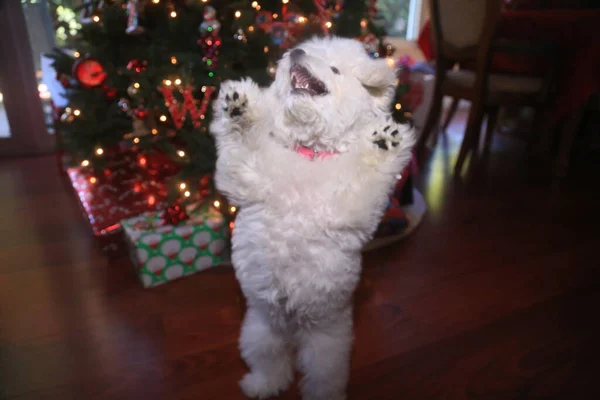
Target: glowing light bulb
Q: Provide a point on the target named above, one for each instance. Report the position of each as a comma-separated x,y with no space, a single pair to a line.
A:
363,23
187,193
182,185
96,18
237,14
136,140
151,200
266,49
328,24
154,131
301,20
136,85
178,81
285,1
167,82
203,89
143,161
93,179
275,15
77,54
99,151
258,7
181,153
232,209
163,118
217,203
77,113
250,28
254,4
85,163
156,1
398,106
173,60
173,14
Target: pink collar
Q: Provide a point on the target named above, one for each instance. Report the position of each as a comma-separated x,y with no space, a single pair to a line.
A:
313,155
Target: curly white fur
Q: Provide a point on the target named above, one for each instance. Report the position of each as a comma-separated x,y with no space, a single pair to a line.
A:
302,223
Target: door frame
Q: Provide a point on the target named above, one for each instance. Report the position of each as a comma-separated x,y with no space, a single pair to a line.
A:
28,130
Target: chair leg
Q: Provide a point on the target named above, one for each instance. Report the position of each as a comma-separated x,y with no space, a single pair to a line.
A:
432,120
566,139
471,137
451,112
492,118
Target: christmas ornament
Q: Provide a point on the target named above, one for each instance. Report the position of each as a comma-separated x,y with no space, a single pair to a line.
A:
279,33
240,35
139,128
89,72
90,12
210,43
133,89
174,214
134,8
64,80
137,65
110,92
264,20
179,110
210,23
141,113
67,116
123,104
388,49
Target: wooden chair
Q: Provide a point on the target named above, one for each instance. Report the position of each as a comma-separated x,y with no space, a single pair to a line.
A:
464,31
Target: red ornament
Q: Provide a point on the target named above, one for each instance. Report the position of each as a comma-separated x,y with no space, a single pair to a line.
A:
174,214
110,92
137,65
141,113
64,80
89,72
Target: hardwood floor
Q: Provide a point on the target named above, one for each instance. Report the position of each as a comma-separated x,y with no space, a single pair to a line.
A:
494,297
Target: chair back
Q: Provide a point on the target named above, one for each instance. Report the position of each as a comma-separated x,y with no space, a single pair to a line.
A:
461,27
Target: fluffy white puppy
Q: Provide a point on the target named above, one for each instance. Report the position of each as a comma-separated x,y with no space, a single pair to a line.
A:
310,162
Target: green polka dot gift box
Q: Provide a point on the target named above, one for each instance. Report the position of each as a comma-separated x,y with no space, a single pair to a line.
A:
162,252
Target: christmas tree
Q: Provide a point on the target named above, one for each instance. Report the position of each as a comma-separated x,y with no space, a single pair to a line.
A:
140,75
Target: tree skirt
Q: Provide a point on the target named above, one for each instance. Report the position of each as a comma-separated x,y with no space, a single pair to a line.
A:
414,214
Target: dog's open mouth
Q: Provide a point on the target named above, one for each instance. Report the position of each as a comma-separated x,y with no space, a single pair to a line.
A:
304,82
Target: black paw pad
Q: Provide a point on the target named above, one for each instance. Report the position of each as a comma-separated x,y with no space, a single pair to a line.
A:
236,112
381,143
236,95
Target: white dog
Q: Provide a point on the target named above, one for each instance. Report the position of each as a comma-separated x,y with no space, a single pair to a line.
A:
310,162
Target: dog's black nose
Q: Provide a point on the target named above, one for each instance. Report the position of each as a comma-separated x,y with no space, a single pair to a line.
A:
296,54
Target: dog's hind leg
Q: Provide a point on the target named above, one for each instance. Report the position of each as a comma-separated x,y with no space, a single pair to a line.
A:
265,351
324,358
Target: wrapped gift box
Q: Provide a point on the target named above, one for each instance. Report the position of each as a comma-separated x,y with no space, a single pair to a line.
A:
127,187
161,252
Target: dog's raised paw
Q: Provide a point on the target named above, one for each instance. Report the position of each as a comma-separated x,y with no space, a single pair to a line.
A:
388,137
234,103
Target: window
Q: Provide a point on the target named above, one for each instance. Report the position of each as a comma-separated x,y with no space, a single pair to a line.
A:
401,17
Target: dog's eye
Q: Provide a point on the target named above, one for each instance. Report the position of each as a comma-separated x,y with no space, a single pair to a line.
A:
335,70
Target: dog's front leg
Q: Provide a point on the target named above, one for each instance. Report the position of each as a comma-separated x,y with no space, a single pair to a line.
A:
236,111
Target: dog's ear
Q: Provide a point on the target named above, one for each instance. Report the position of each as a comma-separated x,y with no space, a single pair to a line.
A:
378,78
